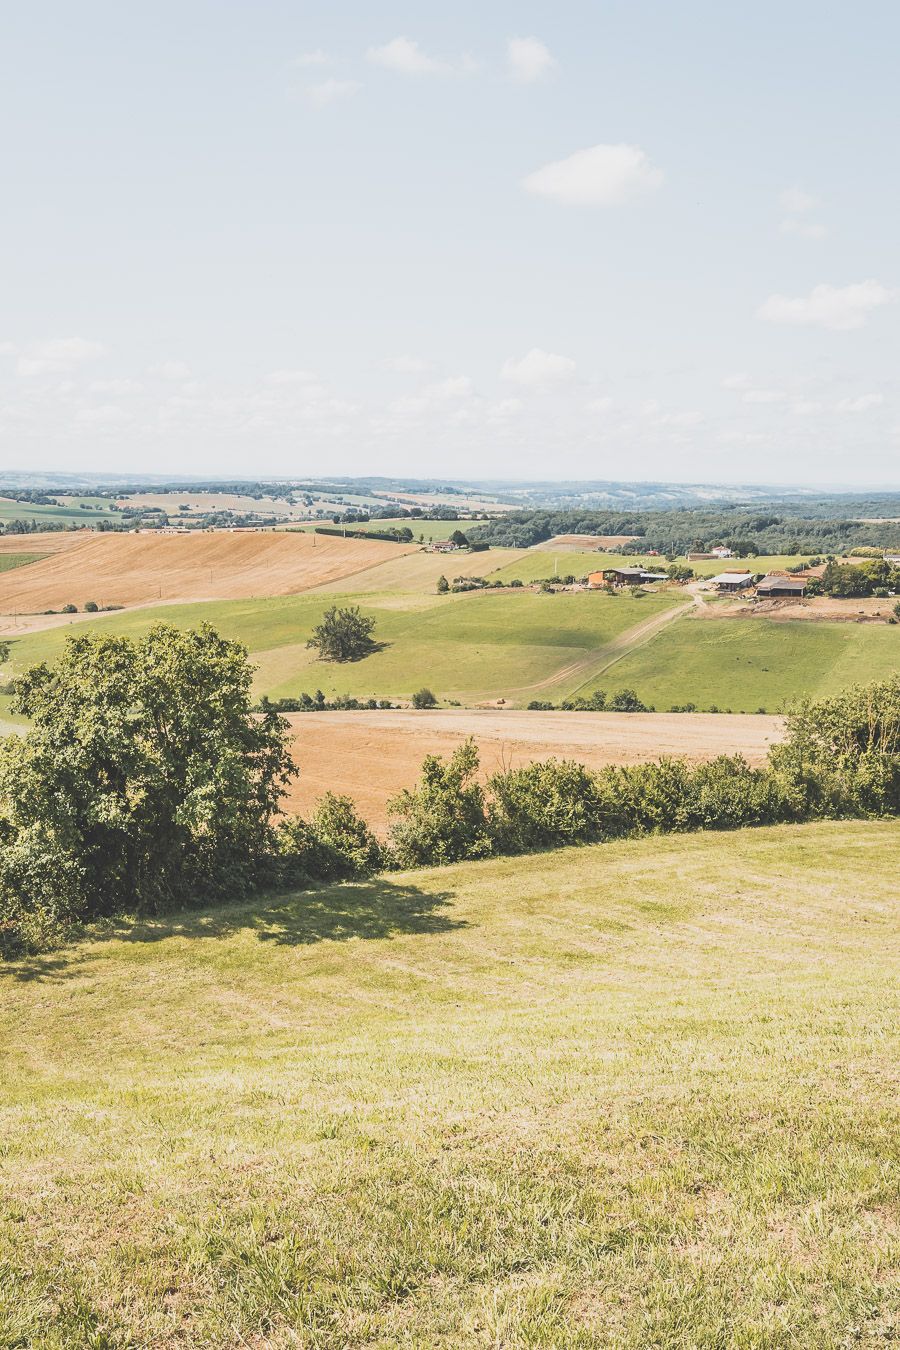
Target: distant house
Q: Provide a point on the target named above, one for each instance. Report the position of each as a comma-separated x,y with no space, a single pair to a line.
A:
732,582
779,587
720,551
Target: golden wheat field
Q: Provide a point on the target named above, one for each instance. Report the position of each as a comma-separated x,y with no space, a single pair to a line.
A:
136,569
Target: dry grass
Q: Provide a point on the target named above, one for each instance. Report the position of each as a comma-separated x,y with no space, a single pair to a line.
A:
642,1095
372,755
135,569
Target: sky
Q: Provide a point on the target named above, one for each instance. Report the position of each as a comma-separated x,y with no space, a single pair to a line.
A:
594,240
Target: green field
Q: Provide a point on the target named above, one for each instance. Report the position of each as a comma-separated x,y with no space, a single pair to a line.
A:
538,563
640,1095
69,513
741,665
472,647
9,561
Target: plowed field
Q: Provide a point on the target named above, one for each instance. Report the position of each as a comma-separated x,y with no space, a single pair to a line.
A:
370,756
135,569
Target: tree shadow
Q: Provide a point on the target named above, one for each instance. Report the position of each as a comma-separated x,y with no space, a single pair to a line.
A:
374,909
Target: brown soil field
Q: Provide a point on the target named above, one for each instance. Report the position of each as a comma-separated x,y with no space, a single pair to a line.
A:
579,543
136,569
869,609
370,756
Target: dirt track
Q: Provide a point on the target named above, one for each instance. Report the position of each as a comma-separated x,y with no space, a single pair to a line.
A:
371,755
135,569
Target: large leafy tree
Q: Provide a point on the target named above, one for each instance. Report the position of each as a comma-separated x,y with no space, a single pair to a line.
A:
145,779
343,634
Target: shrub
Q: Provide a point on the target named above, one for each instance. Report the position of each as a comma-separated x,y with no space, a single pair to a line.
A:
443,819
69,609
626,700
544,805
424,698
91,607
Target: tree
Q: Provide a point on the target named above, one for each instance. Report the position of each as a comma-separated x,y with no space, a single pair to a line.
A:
459,539
443,819
146,780
443,585
343,635
424,698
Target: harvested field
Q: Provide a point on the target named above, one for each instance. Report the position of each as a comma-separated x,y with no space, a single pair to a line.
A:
570,543
137,569
370,756
51,541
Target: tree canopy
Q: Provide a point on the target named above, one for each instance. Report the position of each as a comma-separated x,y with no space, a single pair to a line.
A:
145,779
343,634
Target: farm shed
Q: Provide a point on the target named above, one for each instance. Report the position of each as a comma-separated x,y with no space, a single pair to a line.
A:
776,587
730,582
625,576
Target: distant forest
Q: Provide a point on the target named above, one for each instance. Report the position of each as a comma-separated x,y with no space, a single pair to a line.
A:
678,531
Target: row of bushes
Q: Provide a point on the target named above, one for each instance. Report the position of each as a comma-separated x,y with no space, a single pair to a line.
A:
841,758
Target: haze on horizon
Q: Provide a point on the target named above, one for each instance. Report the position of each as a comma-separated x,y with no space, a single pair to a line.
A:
624,241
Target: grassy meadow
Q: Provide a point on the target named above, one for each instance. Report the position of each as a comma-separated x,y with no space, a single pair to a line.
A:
70,511
535,564
643,1094
741,665
471,647
9,561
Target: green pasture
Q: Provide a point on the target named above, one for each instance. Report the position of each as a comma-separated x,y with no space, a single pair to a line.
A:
537,563
9,561
741,665
637,1095
472,647
69,512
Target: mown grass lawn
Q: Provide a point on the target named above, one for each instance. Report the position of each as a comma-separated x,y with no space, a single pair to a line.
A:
640,1095
740,665
474,646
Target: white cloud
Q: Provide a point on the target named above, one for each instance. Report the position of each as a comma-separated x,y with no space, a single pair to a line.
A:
406,57
292,377
538,368
739,380
404,365
807,229
123,386
835,307
805,407
57,355
171,370
796,202
604,175
528,59
442,394
331,91
764,396
315,58
860,404
600,405
107,415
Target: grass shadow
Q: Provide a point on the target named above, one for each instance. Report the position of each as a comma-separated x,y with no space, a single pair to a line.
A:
378,908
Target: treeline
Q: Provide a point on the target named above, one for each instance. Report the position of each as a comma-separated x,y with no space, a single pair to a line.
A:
678,532
148,781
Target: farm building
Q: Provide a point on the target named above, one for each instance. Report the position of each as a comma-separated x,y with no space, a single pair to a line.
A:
625,576
720,551
732,582
775,587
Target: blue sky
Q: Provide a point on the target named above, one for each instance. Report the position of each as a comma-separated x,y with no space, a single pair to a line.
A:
596,240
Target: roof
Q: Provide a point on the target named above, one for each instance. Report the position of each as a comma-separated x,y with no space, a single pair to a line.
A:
731,578
779,583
